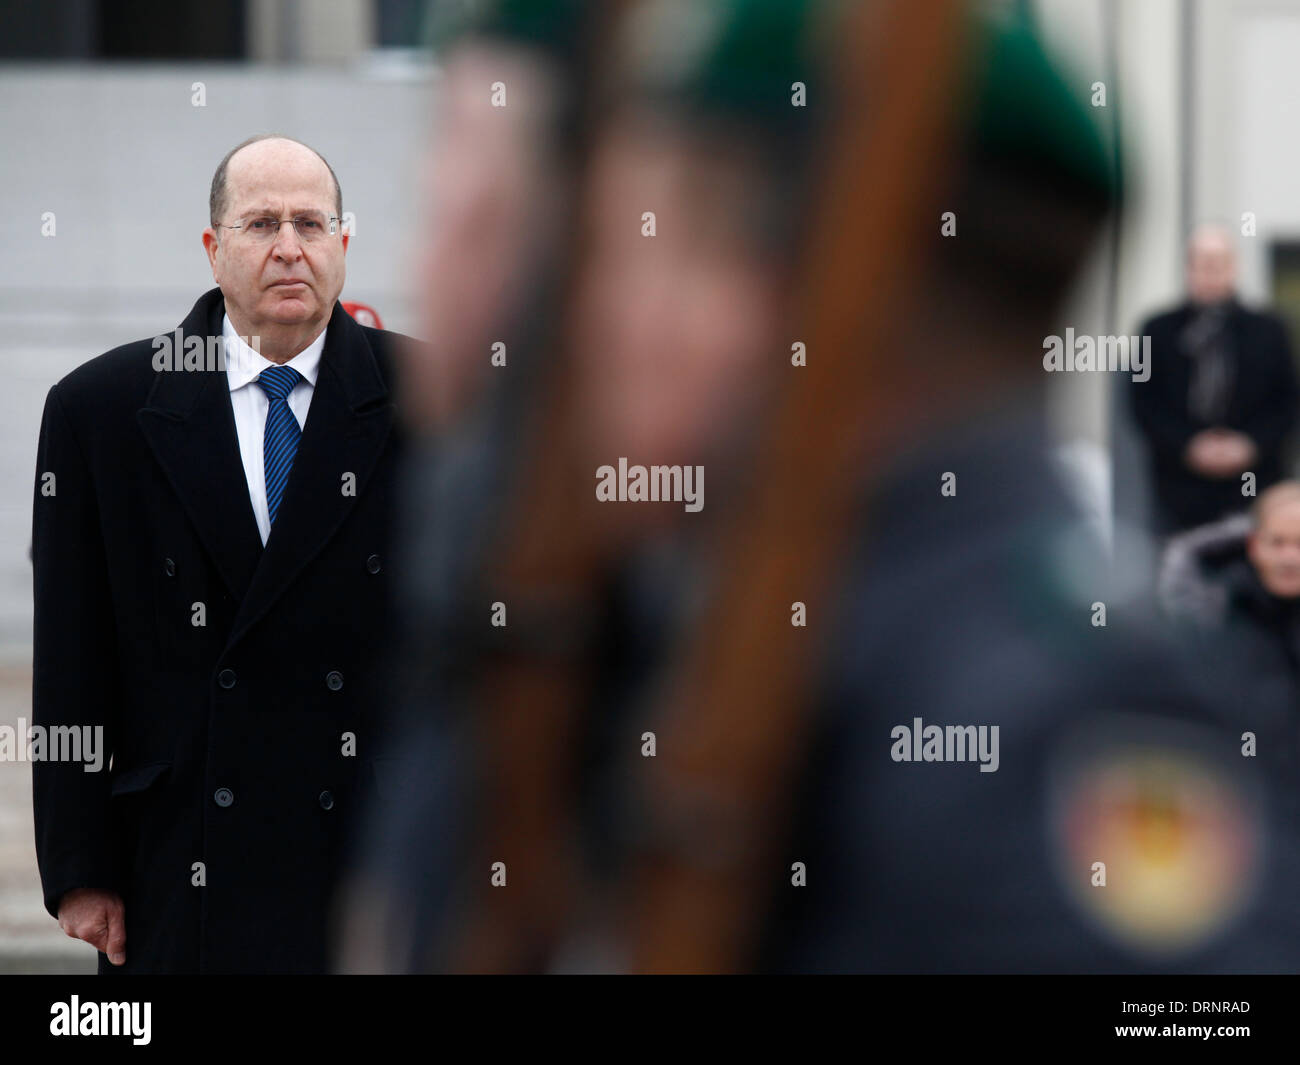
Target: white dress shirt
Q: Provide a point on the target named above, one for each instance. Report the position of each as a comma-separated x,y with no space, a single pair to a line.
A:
243,365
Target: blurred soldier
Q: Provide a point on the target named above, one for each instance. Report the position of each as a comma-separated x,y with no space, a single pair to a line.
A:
973,610
640,799
508,116
1222,396
499,195
719,247
1075,839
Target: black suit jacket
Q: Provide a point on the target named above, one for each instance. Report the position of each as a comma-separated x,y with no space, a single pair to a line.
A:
1263,404
241,745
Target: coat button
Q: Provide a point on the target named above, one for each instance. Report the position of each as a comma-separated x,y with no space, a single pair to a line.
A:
169,567
223,796
372,564
333,680
226,678
326,801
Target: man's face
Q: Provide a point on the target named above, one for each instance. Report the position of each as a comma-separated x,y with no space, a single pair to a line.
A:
284,281
1274,549
1211,267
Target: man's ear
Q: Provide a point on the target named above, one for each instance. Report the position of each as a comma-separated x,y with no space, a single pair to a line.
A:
210,245
345,238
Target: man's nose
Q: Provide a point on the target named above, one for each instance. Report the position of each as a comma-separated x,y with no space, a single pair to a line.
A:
287,244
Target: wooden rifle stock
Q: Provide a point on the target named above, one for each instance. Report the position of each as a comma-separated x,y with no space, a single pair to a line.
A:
733,730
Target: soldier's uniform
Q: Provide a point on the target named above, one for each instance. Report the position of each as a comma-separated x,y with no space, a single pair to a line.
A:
1122,830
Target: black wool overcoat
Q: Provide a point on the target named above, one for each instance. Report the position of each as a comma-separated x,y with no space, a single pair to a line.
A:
239,687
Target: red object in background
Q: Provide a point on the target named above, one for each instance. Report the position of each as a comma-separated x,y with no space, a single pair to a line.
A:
364,314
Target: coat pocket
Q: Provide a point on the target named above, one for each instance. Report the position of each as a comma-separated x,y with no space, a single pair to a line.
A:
138,779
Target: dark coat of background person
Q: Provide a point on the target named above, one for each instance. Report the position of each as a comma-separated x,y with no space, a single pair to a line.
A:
1263,403
227,739
1246,636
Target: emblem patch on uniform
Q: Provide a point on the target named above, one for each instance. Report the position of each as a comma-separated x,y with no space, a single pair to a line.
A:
1159,839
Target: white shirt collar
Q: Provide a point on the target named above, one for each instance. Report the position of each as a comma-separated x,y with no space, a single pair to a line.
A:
243,364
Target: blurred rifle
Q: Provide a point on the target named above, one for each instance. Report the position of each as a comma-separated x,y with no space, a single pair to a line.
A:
735,724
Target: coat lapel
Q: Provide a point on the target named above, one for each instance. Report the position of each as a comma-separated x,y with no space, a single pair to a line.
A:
347,424
190,425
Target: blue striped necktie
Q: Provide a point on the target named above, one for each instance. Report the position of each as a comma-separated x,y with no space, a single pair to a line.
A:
280,442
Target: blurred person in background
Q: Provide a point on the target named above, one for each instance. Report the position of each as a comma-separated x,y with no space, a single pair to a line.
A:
1222,396
1234,588
658,767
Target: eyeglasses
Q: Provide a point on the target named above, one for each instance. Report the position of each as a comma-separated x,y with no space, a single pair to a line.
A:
310,225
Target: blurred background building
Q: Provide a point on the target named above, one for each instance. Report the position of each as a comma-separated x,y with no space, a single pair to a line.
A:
113,116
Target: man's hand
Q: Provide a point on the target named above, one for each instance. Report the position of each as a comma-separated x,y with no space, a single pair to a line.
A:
98,917
1220,452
